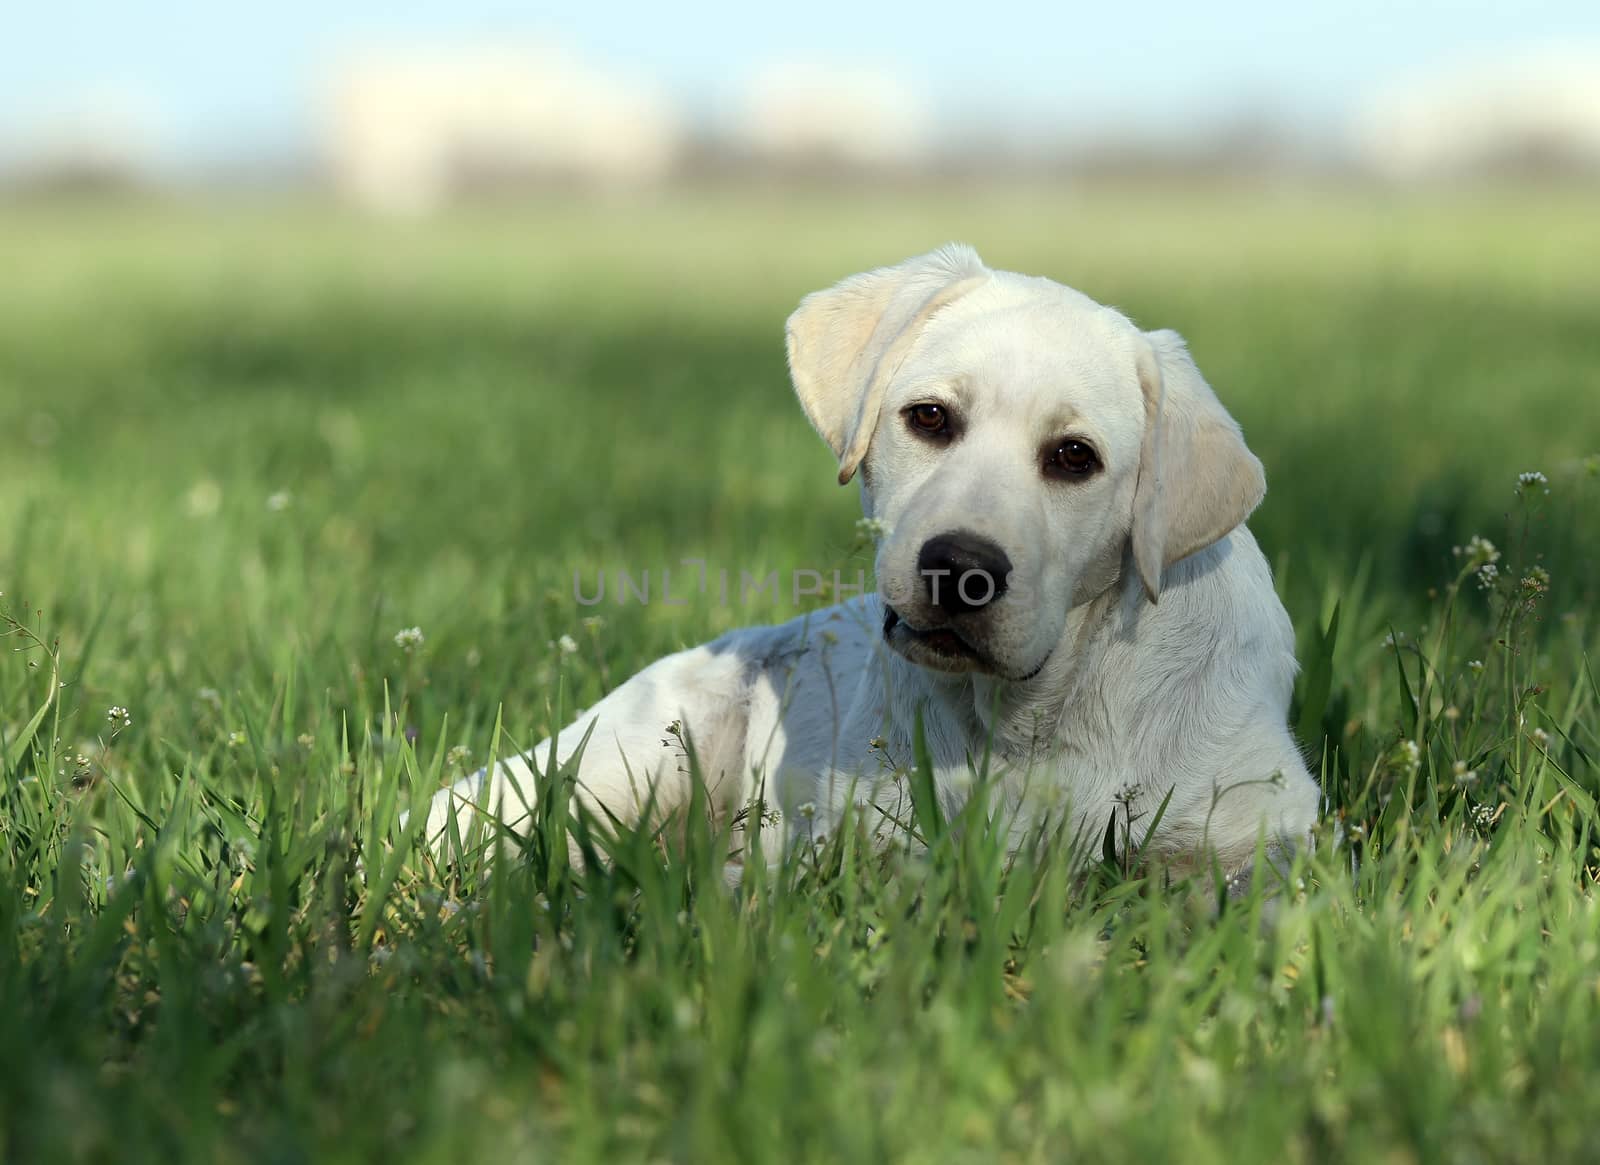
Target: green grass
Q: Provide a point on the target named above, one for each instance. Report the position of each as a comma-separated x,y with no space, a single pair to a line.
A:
216,943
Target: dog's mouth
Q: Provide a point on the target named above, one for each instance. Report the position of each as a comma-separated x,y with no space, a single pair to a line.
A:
944,649
938,646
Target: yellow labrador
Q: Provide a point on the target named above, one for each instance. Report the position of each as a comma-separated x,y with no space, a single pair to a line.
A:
1064,582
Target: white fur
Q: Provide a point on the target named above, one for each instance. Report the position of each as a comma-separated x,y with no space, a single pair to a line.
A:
1140,650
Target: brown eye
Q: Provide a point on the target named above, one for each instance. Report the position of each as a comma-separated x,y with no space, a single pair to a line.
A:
929,419
1073,459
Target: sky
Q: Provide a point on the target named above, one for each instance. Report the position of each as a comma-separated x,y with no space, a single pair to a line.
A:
216,82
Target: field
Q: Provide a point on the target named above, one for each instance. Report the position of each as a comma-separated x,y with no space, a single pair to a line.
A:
245,446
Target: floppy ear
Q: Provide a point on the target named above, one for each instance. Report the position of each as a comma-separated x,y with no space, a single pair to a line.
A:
1197,481
846,343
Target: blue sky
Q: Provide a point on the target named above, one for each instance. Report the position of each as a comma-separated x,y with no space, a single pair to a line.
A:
215,81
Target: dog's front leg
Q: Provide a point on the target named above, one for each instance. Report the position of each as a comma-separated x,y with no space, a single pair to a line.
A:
637,752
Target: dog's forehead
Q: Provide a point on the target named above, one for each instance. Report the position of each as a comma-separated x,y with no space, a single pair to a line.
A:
1032,345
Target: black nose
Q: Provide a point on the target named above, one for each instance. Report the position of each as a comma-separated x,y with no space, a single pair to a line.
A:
963,572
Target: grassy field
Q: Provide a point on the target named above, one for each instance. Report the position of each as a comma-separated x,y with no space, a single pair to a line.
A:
244,447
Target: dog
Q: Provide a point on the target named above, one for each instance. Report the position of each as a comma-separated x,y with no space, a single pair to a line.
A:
1066,596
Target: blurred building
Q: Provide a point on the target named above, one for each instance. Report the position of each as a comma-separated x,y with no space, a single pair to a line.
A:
409,132
102,141
1532,115
824,115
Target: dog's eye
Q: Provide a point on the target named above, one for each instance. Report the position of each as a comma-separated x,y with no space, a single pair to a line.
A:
1072,459
929,419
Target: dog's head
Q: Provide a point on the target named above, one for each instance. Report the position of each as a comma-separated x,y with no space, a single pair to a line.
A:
1022,445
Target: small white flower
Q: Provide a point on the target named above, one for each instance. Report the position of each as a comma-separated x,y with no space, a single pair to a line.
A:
594,622
458,756
118,717
237,739
408,639
1126,794
1475,666
872,527
1407,757
305,740
210,697
806,810
279,501
1537,580
1488,575
1541,738
1527,482
1462,774
566,645
1478,551
1394,638
1483,815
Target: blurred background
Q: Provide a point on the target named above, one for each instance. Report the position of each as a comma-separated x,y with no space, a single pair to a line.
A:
407,109
323,321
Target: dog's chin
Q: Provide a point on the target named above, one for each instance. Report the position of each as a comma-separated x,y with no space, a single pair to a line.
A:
947,650
938,648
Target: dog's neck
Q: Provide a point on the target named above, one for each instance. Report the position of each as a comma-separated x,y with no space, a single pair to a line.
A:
1068,705
1064,704
1028,718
